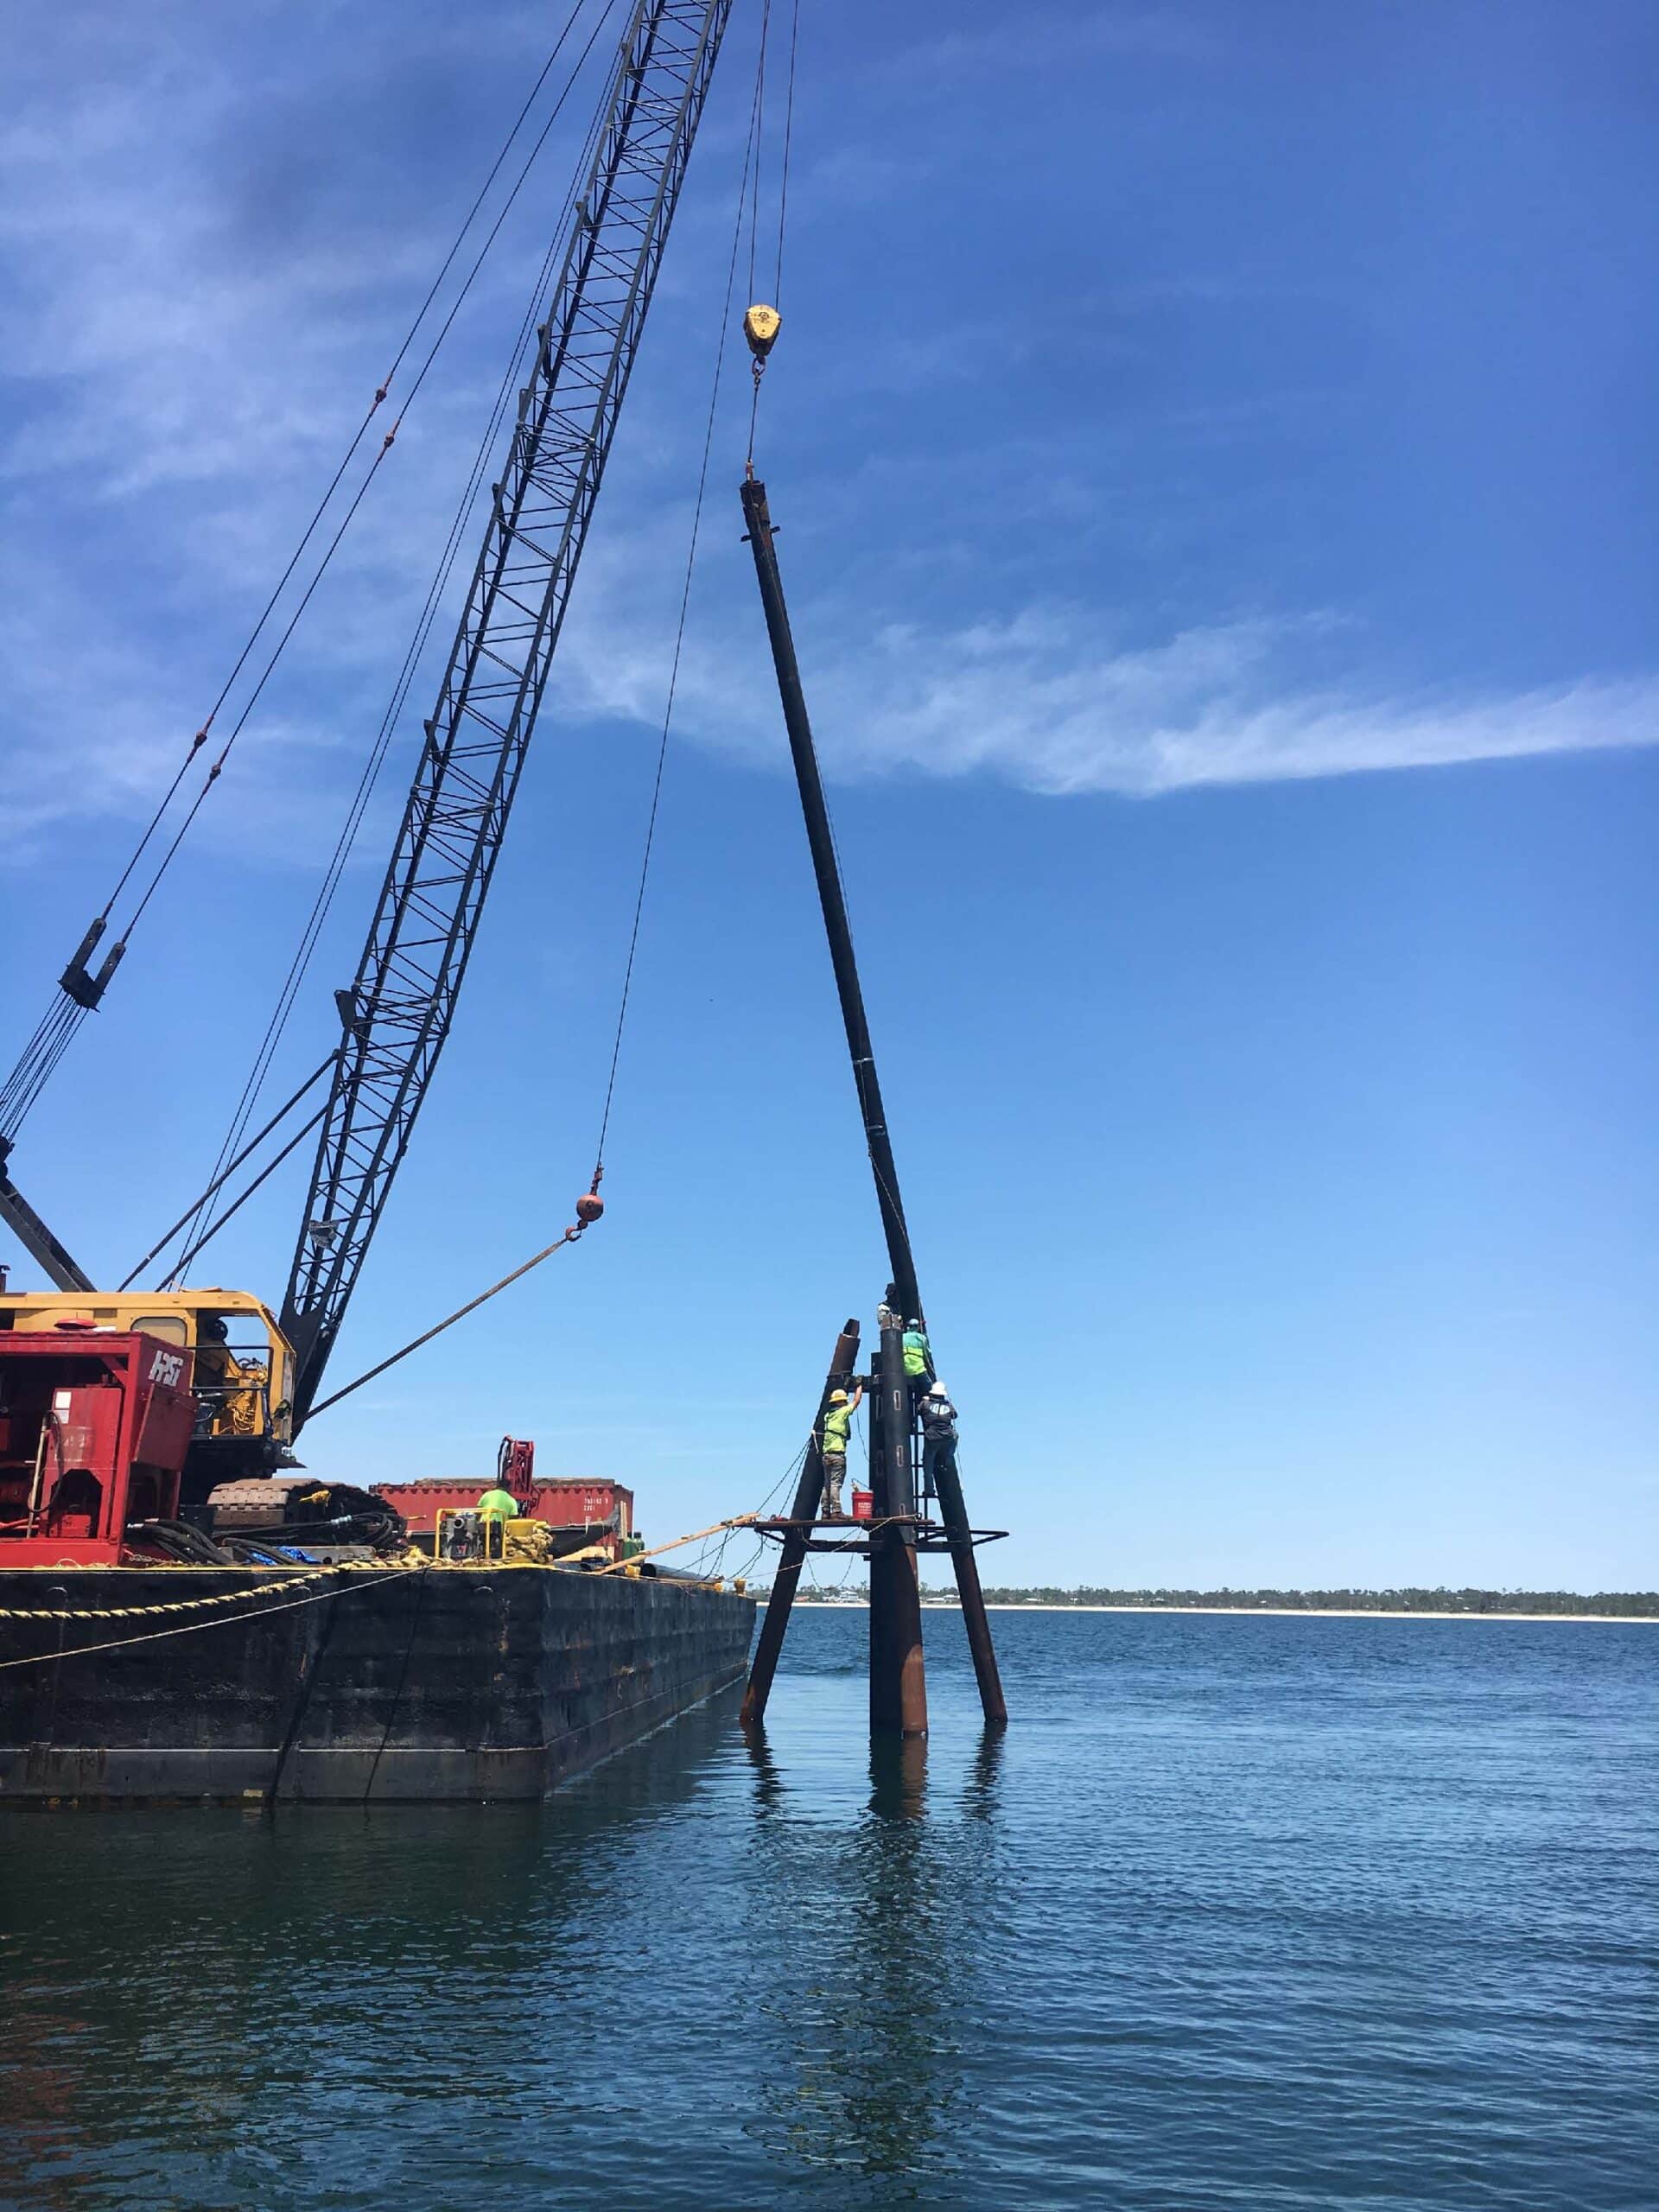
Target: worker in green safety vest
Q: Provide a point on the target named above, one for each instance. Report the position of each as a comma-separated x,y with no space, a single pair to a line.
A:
496,1507
837,1428
919,1363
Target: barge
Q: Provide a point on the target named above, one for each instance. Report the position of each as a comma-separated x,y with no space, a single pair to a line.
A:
185,1610
180,1620
356,1683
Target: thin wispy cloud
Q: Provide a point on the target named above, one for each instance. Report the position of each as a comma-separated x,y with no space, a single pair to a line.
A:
1043,702
186,360
185,367
1040,702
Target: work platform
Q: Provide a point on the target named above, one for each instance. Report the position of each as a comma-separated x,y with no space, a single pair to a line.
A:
921,1534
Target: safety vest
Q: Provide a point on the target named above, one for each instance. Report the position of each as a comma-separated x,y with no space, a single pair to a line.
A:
499,1504
837,1427
918,1358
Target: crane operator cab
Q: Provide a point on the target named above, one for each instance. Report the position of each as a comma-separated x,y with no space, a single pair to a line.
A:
234,1360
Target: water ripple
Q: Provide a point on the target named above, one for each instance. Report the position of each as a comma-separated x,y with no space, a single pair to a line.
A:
1239,1913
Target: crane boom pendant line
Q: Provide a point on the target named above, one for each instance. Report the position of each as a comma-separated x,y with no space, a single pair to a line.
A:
832,898
397,1014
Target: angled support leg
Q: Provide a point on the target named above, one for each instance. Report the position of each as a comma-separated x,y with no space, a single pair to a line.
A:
807,1493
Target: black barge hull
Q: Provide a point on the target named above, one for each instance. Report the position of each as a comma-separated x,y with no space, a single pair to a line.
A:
448,1683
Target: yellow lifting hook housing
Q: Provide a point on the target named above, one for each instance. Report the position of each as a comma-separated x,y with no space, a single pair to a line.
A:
761,327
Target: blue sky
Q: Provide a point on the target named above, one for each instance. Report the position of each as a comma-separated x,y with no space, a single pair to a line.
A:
1215,448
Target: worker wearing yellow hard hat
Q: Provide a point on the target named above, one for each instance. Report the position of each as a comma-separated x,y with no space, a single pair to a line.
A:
837,1428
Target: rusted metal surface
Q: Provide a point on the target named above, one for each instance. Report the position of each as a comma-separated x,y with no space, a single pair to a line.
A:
897,1671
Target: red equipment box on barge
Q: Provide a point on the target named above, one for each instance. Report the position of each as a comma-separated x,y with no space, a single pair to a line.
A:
94,1426
561,1505
606,1508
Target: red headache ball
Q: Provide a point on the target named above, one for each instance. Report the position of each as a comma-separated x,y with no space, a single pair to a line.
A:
589,1208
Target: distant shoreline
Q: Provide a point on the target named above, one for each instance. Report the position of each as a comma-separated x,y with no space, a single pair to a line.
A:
1265,1612
1320,1613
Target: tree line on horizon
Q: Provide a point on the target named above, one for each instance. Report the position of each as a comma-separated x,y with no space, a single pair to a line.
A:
1636,1605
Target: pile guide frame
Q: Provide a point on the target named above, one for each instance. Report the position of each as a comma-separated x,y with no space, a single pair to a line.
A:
898,1686
926,1535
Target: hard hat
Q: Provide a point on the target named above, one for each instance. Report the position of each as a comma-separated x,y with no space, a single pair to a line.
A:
937,1390
837,1397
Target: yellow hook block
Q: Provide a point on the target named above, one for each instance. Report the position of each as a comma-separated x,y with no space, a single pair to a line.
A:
761,327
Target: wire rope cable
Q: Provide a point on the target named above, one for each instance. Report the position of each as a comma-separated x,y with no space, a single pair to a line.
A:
174,1278
788,142
358,808
194,1208
759,128
52,1036
571,1236
380,395
750,153
758,366
783,214
386,445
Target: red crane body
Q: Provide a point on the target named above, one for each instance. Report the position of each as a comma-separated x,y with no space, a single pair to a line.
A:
94,1426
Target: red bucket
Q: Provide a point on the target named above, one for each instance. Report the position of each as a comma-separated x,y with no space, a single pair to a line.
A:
863,1504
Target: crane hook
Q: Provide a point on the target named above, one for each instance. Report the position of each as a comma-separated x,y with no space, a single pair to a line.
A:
590,1206
761,327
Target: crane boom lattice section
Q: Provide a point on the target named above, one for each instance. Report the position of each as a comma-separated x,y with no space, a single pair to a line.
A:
397,1012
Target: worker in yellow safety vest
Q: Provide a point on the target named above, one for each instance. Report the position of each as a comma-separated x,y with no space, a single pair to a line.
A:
918,1364
837,1427
494,1509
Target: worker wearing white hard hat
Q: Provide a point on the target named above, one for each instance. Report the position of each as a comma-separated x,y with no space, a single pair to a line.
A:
938,1434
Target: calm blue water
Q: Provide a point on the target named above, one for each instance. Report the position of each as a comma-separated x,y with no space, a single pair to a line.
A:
1258,1912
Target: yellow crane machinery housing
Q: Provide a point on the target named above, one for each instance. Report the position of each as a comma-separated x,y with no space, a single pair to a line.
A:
241,1365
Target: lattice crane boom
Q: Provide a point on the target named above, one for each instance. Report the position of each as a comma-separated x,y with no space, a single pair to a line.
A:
397,1014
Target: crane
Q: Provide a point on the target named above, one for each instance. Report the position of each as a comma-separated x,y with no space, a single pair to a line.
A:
396,1015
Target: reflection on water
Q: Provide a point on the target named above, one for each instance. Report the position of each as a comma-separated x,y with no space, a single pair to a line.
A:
1236,1913
768,1775
898,1778
868,2071
979,1794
